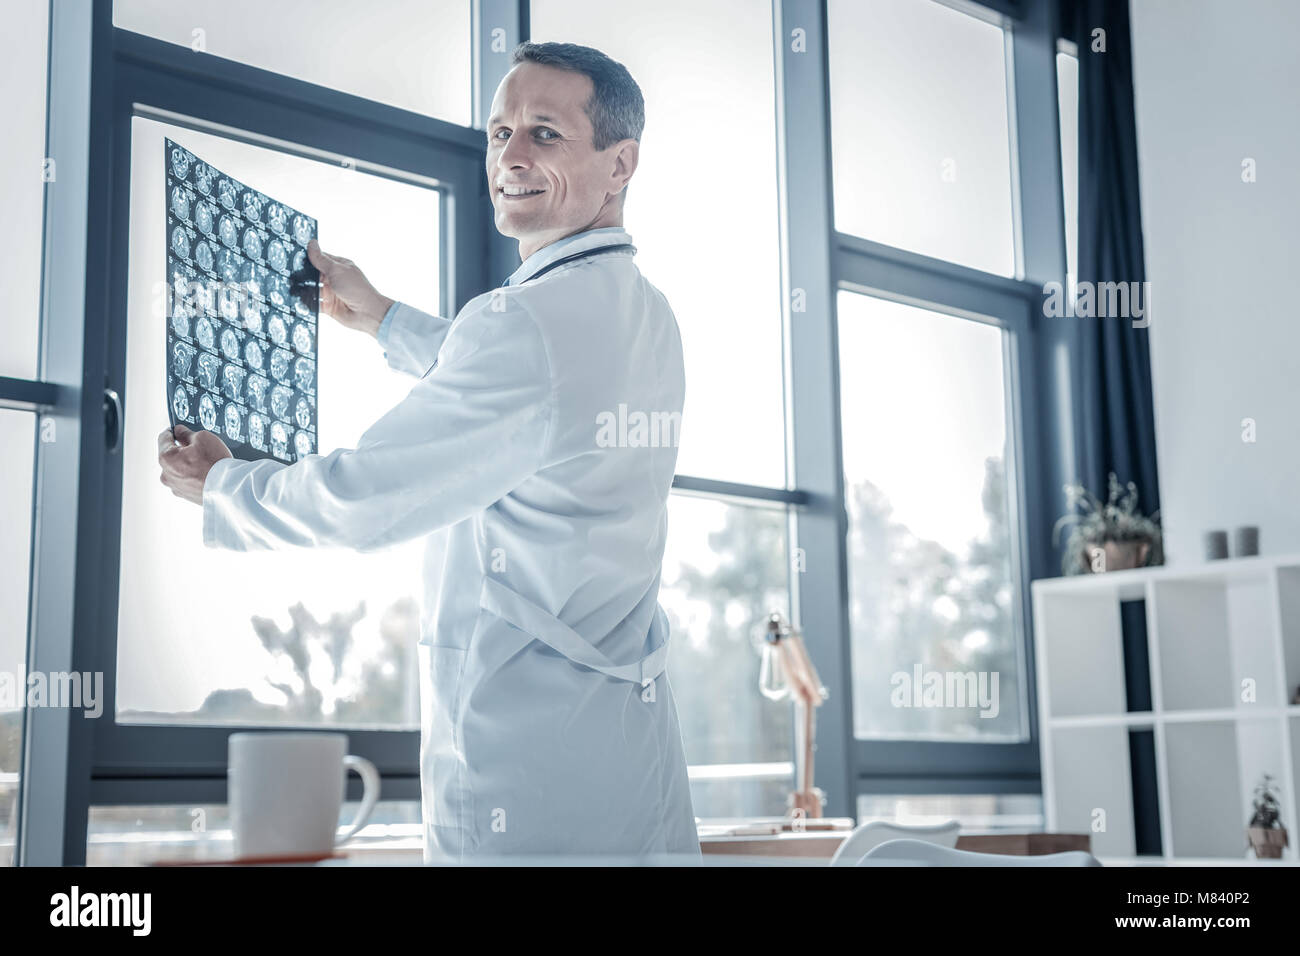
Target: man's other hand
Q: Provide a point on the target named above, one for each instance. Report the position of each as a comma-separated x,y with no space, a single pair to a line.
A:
346,293
186,457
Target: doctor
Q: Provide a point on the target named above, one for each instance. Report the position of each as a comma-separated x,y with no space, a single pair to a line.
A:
548,725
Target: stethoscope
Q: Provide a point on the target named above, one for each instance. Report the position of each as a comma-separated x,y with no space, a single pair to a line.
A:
586,254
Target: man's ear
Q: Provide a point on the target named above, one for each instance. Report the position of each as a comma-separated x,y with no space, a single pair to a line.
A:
625,160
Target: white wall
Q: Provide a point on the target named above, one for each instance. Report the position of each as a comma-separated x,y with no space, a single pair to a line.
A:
1217,81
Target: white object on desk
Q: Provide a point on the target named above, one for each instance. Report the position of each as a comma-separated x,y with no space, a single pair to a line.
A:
921,853
872,834
286,790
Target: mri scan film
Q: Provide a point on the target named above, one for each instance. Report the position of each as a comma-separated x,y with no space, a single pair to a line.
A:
243,307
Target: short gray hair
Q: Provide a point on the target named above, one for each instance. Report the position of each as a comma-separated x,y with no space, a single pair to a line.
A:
616,108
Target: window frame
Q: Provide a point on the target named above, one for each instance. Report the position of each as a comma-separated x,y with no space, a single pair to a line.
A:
821,262
153,77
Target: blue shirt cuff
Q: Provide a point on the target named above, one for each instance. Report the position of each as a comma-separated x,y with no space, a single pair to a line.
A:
382,334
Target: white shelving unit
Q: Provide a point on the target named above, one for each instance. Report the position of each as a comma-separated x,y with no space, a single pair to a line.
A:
1214,631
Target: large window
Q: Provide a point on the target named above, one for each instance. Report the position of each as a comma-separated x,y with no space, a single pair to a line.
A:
708,237
920,133
17,438
703,216
933,118
414,54
926,454
24,170
724,572
305,636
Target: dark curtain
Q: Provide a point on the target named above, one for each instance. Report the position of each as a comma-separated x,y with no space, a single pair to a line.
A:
1116,419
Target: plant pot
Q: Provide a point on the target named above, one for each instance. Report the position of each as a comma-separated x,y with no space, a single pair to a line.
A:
1267,842
1119,555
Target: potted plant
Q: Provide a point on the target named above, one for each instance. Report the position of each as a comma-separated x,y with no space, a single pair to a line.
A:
1265,832
1107,537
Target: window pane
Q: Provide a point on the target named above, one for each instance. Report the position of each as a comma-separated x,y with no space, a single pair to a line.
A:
1067,89
724,572
142,835
199,629
931,598
710,247
23,172
414,54
17,438
919,132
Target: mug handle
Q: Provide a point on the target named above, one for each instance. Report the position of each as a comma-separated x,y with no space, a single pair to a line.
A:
370,781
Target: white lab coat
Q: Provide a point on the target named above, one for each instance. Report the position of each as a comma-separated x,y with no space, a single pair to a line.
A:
548,724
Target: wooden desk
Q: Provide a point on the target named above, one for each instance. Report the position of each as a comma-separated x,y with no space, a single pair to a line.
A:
816,844
823,844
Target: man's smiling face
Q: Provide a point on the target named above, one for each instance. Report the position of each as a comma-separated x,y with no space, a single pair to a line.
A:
547,179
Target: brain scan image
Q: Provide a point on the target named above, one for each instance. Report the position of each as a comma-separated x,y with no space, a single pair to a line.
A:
180,161
276,329
226,193
228,265
277,255
257,431
228,231
280,365
230,343
232,382
234,423
302,338
208,366
253,244
279,440
180,320
242,334
277,218
205,217
182,360
228,303
207,412
280,401
204,177
258,389
304,375
204,332
180,202
203,256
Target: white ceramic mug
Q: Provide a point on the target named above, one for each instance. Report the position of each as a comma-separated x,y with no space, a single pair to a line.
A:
286,791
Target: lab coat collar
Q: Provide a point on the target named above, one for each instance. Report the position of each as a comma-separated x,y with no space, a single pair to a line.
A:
569,245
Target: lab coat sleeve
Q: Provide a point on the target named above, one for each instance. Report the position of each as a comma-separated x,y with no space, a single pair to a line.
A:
411,338
469,432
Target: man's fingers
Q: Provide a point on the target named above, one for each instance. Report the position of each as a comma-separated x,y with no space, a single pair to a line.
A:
183,434
165,442
321,259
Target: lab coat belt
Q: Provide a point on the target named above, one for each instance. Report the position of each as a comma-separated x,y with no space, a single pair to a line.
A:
554,633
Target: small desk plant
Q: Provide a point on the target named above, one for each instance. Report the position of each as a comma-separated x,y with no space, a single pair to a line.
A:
1113,536
1265,832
